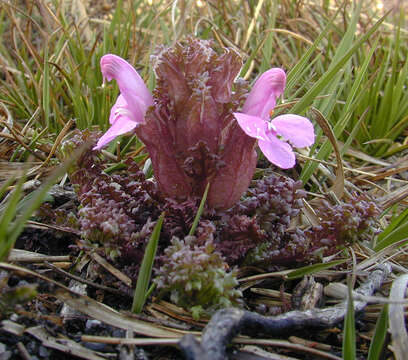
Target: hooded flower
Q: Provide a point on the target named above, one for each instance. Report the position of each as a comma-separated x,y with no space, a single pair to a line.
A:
134,99
254,121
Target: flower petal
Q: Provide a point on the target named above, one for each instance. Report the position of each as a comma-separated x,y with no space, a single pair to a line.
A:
252,126
262,98
278,152
120,103
131,85
297,129
122,125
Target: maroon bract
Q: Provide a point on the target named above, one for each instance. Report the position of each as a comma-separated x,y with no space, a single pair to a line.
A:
191,135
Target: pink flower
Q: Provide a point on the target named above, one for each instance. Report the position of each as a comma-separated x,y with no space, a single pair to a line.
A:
129,110
254,121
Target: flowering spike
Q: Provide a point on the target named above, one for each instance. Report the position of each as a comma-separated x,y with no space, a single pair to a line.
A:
191,129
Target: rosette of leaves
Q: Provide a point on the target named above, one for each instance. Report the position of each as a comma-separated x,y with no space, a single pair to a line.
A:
179,217
258,228
88,164
196,276
258,225
275,200
289,249
237,235
342,224
115,210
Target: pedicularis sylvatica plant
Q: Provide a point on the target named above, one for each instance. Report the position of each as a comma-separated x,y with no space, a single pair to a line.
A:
201,125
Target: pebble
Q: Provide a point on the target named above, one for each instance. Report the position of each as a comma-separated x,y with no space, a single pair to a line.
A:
43,352
92,323
4,355
97,346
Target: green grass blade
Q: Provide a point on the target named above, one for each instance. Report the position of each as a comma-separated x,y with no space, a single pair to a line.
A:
14,229
199,211
349,334
46,89
399,233
361,73
334,69
296,72
380,333
311,269
145,271
7,216
3,188
395,223
25,201
322,83
326,105
353,132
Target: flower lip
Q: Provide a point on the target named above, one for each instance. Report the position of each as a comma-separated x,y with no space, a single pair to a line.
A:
253,126
278,152
121,126
296,129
